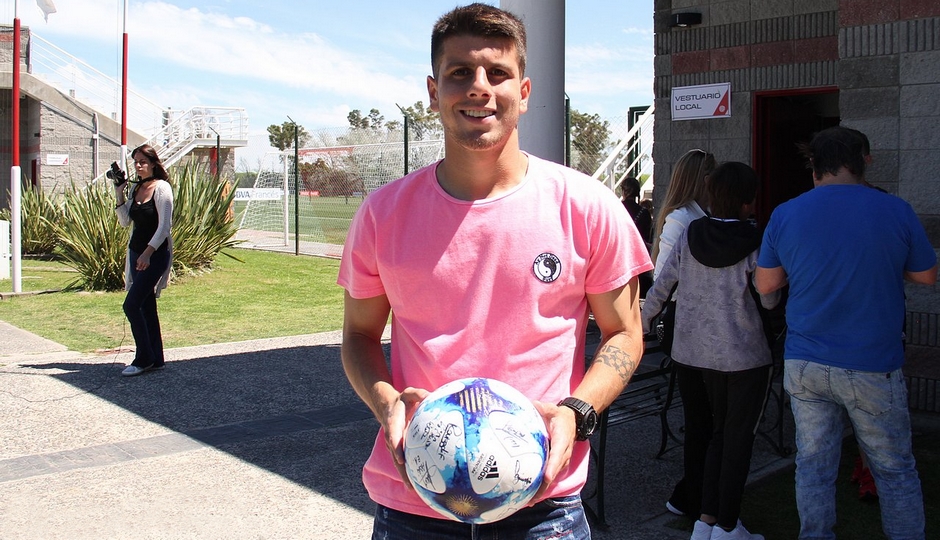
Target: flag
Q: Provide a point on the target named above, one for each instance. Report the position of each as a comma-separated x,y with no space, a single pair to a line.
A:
47,7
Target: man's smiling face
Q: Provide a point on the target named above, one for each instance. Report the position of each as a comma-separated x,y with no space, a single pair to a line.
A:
478,91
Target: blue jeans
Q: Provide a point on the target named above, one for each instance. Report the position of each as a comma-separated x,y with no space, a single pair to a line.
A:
822,397
140,306
556,519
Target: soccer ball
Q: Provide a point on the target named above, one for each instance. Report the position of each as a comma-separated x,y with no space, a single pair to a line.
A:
475,450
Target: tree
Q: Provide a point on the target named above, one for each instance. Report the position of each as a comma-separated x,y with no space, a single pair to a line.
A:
330,182
282,137
590,137
424,124
374,121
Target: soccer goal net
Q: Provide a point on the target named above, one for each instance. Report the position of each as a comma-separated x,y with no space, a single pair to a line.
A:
336,173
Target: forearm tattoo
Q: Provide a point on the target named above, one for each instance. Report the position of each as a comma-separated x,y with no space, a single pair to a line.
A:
618,359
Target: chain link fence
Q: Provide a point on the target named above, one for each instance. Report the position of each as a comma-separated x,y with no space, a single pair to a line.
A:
339,167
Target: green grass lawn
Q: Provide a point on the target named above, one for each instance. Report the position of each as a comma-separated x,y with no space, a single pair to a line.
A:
319,218
267,295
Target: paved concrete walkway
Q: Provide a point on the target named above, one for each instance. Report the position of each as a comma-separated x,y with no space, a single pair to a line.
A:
252,440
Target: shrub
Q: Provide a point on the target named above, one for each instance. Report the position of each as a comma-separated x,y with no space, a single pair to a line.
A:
90,240
38,212
202,219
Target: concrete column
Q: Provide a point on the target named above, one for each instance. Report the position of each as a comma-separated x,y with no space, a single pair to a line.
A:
542,128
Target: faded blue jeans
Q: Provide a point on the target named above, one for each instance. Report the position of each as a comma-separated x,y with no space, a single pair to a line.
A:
822,397
556,519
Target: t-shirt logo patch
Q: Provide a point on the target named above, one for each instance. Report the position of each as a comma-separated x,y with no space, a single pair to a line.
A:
547,267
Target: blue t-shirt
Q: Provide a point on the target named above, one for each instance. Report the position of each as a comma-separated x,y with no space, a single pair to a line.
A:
845,249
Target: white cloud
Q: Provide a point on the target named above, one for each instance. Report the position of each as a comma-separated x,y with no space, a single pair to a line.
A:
213,42
323,62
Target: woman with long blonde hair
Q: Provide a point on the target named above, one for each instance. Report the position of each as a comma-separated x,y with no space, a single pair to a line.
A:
686,200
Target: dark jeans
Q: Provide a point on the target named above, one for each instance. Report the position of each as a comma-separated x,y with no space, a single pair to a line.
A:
697,427
737,400
140,306
559,519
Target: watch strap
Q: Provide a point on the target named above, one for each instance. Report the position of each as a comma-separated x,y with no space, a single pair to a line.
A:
582,410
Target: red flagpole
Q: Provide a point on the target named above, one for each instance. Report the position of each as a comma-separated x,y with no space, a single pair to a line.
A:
15,182
124,95
16,92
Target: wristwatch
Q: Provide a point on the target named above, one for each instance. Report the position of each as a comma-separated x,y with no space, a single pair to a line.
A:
584,414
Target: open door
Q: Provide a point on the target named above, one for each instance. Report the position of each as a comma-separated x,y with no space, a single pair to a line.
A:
782,121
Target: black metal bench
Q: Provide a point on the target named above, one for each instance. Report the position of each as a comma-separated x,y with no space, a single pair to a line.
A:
650,392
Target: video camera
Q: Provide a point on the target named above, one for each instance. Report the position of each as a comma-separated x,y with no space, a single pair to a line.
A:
116,174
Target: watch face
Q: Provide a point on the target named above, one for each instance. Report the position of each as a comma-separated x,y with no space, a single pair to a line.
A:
585,414
590,422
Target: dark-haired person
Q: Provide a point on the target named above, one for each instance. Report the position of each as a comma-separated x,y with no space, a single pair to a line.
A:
642,219
149,207
722,338
489,262
843,358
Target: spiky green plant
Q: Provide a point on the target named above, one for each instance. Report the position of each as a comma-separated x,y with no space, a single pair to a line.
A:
90,240
38,214
202,222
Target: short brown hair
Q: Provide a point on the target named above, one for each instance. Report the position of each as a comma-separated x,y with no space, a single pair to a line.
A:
834,148
478,20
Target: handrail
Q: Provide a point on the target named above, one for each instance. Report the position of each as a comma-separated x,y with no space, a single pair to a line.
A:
173,133
86,84
198,127
631,156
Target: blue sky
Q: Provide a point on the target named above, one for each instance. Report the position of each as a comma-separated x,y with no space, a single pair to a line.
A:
316,60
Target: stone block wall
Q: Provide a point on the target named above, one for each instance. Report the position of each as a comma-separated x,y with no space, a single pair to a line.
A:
882,55
62,134
756,45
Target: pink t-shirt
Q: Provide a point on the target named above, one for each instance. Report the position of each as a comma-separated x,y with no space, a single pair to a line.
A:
492,288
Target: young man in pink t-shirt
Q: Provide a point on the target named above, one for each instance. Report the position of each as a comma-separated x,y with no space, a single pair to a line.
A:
489,263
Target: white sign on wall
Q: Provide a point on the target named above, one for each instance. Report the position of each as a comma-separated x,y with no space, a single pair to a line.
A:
57,159
702,101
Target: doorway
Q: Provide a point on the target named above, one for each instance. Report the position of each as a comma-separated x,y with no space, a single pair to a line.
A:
782,121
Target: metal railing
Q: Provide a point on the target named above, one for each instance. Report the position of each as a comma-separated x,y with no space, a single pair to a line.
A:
91,87
173,133
632,156
199,127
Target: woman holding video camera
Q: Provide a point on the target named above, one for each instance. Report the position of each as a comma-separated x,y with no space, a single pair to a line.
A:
149,253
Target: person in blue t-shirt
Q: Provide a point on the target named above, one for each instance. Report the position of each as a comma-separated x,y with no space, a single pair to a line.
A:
845,250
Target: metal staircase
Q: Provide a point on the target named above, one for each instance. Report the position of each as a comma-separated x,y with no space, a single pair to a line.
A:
200,127
632,156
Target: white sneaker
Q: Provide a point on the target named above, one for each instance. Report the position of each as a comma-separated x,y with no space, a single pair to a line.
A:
701,531
673,509
133,371
738,533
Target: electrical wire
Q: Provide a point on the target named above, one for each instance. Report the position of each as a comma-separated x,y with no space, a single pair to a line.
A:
92,390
